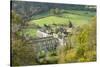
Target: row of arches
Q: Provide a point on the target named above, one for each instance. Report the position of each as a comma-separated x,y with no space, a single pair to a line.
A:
46,45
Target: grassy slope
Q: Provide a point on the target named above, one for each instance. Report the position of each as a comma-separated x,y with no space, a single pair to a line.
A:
30,32
79,18
50,20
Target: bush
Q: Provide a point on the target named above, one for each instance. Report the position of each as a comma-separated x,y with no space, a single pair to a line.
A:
82,59
41,54
90,55
71,56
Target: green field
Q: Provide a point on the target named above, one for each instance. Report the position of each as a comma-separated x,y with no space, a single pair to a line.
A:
78,18
50,20
29,32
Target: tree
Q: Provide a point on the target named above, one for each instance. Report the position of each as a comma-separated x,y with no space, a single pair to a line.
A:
70,24
84,49
15,18
51,11
55,11
86,40
22,53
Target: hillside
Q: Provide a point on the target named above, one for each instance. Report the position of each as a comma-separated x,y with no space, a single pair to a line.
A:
28,9
78,18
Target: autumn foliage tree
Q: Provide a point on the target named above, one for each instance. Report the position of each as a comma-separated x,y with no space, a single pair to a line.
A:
84,49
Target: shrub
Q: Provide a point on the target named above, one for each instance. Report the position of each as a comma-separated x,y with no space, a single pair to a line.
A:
71,56
90,55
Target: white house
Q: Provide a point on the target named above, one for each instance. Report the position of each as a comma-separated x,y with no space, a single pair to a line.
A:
41,34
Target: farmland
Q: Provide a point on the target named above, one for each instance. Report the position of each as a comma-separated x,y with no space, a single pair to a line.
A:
81,17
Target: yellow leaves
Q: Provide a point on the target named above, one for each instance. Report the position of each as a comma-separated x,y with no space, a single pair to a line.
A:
90,55
70,56
84,50
83,36
82,60
61,56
